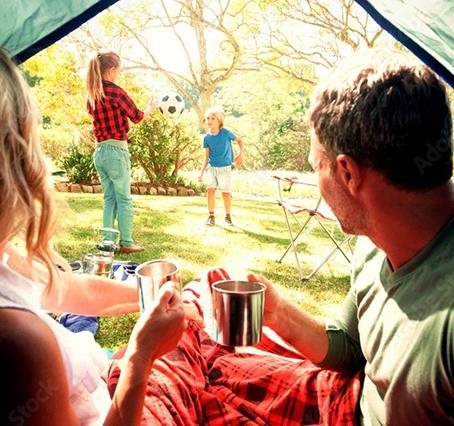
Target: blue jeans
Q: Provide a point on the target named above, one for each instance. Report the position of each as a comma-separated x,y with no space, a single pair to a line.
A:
113,165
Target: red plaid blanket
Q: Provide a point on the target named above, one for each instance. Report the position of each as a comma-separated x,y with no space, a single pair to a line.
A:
203,383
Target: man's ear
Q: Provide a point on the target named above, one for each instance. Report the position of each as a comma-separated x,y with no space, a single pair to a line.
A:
349,172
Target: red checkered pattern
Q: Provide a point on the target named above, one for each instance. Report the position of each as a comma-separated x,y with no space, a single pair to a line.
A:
203,383
110,117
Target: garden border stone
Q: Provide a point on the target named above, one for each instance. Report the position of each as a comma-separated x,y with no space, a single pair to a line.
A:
136,189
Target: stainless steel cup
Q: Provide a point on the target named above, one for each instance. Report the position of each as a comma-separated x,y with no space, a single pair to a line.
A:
238,312
152,275
87,264
97,264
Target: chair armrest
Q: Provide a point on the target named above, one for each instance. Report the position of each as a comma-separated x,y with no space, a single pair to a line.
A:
293,181
293,205
289,181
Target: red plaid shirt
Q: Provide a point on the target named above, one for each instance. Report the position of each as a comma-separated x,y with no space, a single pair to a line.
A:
110,117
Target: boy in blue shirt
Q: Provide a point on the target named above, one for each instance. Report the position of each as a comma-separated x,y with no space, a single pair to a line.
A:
218,161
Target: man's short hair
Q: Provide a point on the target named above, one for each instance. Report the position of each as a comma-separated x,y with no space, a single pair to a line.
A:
388,115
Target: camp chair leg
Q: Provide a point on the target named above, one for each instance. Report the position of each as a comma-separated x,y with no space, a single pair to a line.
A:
302,228
293,245
333,239
289,206
327,258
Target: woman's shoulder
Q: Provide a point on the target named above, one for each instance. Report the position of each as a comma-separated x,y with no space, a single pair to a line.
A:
32,368
26,339
22,328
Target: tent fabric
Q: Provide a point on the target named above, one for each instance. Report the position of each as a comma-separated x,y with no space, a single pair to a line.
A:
29,26
425,27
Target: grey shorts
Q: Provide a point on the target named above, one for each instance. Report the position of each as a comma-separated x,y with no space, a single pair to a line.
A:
220,178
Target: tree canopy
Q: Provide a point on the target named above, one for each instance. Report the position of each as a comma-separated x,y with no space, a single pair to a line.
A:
259,60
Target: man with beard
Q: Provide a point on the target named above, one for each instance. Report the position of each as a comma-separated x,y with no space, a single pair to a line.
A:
382,150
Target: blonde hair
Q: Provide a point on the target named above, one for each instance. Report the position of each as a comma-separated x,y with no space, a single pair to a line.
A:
218,112
26,198
96,68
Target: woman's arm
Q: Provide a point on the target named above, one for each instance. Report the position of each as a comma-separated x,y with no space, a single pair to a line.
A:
77,293
157,332
32,368
92,295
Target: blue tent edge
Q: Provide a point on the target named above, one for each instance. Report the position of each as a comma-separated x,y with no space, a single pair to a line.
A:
63,30
422,54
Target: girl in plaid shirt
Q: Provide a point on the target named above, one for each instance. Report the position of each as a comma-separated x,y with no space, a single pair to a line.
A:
111,109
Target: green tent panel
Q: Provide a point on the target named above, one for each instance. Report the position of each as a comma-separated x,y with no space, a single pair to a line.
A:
426,27
28,26
423,26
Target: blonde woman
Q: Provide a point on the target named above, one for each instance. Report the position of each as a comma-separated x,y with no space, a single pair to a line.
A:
51,376
111,109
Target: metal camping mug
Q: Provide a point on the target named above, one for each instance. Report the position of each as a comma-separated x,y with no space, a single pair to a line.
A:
152,275
238,312
98,264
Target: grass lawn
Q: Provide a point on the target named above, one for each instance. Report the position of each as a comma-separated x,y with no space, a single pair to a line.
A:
174,227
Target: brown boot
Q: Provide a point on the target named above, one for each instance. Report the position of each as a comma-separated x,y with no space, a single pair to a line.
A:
130,249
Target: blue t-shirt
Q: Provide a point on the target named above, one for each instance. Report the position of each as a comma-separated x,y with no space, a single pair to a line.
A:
221,151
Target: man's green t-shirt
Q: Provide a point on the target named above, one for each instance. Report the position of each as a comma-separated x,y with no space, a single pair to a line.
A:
402,323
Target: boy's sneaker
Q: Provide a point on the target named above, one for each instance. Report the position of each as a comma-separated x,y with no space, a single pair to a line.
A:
228,221
210,221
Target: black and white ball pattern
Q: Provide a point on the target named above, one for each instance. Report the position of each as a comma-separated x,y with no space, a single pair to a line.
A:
171,105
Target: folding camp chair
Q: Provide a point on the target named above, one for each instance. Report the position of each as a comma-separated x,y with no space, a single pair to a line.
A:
320,212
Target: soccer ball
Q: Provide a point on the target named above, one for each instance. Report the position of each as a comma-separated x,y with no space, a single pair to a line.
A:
171,105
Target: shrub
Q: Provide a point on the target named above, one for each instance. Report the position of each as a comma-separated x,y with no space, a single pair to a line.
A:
162,147
78,164
55,142
287,148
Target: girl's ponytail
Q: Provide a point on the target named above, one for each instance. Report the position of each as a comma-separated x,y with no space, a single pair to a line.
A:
94,81
97,66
